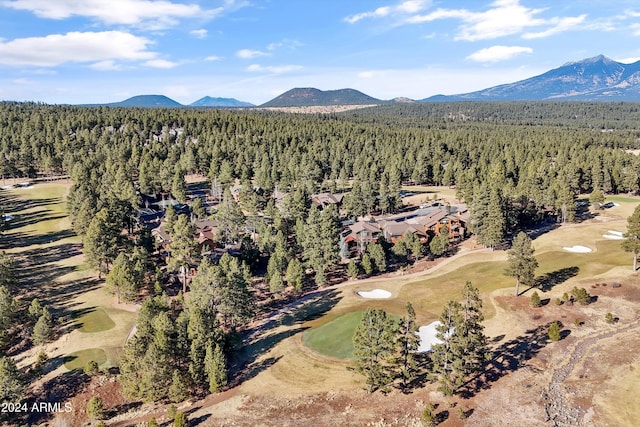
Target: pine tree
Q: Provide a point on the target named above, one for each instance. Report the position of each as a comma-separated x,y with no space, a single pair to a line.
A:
197,209
408,343
181,420
95,408
11,382
295,274
378,256
554,331
373,344
230,218
353,270
471,332
179,187
216,369
101,240
632,236
43,328
367,265
522,263
7,308
183,249
446,354
178,391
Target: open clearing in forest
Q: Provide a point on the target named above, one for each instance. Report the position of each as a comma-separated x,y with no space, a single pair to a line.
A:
51,267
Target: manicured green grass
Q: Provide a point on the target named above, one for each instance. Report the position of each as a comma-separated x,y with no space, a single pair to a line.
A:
95,321
79,359
334,339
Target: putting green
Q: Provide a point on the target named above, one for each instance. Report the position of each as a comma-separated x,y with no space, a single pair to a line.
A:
79,359
334,339
95,321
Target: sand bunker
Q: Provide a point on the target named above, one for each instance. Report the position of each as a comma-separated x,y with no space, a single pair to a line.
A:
427,336
577,249
375,294
614,235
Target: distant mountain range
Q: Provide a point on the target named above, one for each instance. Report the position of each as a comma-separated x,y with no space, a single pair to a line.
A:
161,101
208,101
593,79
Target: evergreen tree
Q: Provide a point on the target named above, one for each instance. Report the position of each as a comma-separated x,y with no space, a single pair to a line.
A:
183,249
353,270
181,420
7,308
179,187
447,369
178,391
230,218
471,332
373,344
408,343
216,369
554,332
95,408
7,270
35,309
522,263
632,236
43,328
295,274
197,209
438,244
11,382
596,198
378,257
101,240
367,264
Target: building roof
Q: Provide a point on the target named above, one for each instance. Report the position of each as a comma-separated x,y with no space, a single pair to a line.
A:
324,199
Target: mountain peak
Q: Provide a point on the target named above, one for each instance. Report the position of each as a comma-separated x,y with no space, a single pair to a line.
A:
309,96
593,79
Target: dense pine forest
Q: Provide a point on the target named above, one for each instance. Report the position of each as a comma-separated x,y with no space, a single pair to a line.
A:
512,163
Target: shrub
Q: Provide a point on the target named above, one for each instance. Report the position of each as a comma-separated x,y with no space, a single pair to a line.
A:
91,368
95,408
180,420
428,416
578,322
152,423
461,412
535,300
554,331
581,295
557,301
565,297
609,318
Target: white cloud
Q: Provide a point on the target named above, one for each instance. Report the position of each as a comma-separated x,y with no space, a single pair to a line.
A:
213,58
56,49
199,34
503,18
284,44
402,8
22,82
150,14
629,60
249,54
274,69
563,24
107,65
498,53
160,63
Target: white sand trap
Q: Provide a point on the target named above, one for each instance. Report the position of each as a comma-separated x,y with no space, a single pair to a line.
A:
612,237
616,204
577,249
375,294
427,336
614,232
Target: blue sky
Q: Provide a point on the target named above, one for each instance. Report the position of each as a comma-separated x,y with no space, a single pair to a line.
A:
91,51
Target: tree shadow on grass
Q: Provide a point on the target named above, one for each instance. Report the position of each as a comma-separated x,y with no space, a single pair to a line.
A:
23,240
554,278
507,357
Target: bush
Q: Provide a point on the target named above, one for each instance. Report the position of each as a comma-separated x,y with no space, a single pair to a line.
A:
609,318
95,408
152,423
172,411
462,414
91,368
557,301
180,420
535,300
581,295
578,322
554,331
428,416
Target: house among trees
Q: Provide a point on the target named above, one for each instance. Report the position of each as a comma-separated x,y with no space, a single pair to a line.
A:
323,200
